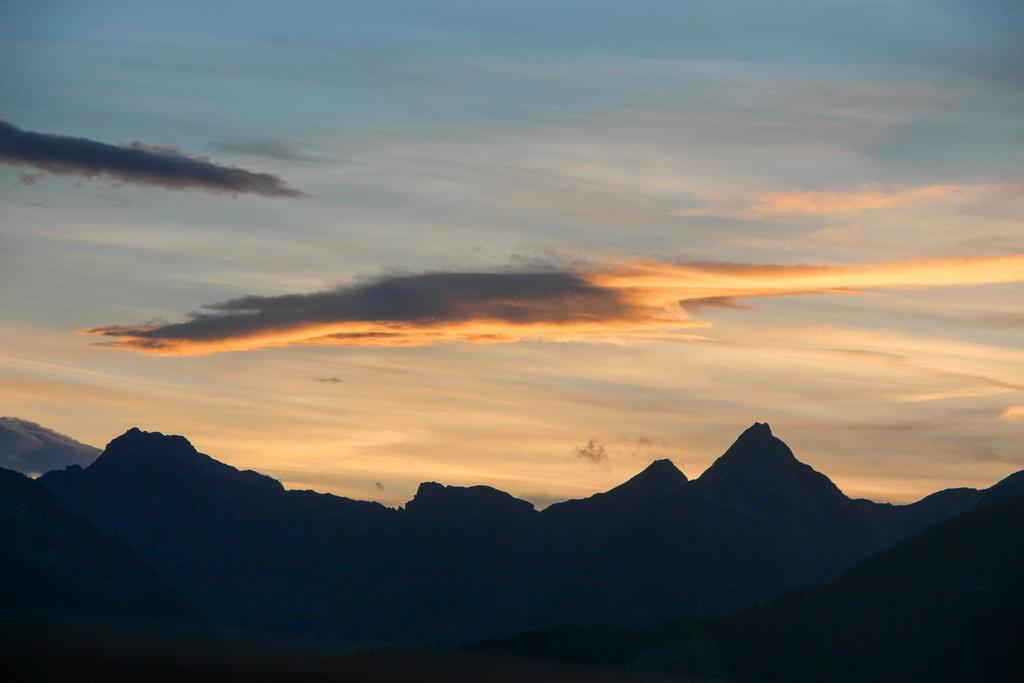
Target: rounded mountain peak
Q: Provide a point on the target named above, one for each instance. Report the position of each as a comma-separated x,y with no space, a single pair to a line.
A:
141,456
433,499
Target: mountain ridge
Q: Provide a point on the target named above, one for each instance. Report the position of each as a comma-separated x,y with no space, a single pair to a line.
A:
460,562
945,604
135,440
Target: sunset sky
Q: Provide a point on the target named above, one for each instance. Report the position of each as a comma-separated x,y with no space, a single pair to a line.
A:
535,245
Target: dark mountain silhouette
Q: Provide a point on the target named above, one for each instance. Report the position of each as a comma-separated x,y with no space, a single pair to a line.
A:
436,501
1007,489
660,479
33,449
804,515
251,555
946,604
467,563
759,476
63,579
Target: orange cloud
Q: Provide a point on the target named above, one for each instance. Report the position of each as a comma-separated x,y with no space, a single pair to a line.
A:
1013,414
815,203
697,281
621,302
393,334
864,199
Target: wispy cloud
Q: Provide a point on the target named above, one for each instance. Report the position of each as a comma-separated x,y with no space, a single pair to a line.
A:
621,301
137,163
1013,414
826,203
703,280
271,149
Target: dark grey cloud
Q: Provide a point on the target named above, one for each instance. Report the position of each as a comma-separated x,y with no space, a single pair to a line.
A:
593,450
426,302
32,449
379,486
136,163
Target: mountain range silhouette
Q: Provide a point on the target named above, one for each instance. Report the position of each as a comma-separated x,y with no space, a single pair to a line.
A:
945,604
460,564
760,569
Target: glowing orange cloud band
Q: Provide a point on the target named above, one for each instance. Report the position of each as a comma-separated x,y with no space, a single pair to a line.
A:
614,304
824,202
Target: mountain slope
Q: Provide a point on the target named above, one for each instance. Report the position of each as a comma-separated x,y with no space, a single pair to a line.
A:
62,578
946,604
251,555
460,563
806,515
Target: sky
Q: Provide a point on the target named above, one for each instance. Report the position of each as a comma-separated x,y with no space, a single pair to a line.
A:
533,245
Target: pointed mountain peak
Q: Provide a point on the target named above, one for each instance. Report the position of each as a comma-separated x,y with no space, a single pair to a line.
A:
656,482
662,472
663,467
659,478
759,432
757,443
759,464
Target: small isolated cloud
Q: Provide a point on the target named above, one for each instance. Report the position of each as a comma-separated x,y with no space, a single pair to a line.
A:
379,486
593,451
136,163
329,380
1013,414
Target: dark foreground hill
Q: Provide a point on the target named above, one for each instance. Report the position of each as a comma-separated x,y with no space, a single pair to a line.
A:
68,586
460,564
946,604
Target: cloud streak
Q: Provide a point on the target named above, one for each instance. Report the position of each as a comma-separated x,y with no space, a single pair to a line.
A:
1013,414
137,163
828,203
616,303
280,150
